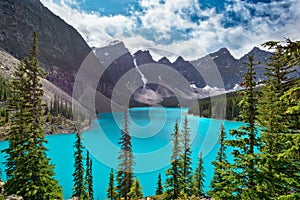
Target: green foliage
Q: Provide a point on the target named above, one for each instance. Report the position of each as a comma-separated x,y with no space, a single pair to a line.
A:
265,166
125,167
291,100
89,176
187,170
79,188
218,183
111,190
279,160
29,172
5,92
212,108
243,171
175,180
198,179
135,190
61,108
159,188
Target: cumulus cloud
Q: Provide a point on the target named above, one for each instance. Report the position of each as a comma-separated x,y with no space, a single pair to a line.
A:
97,30
181,27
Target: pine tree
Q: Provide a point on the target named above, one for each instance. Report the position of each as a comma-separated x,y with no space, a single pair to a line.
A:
125,167
279,173
291,151
55,106
135,190
70,112
243,170
186,158
218,183
111,190
175,180
89,176
198,182
79,189
29,171
291,100
159,188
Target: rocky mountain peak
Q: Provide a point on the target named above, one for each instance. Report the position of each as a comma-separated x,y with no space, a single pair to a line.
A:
179,59
257,50
260,55
111,52
143,57
222,53
224,50
164,60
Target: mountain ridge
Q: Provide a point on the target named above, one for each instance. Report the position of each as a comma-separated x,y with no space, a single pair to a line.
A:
218,71
229,67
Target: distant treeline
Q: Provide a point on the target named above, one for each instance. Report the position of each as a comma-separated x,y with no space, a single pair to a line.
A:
225,105
4,89
4,94
54,111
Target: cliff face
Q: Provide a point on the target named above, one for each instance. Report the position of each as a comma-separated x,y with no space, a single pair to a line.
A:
62,49
60,44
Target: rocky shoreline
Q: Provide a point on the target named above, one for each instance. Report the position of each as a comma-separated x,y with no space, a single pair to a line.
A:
67,127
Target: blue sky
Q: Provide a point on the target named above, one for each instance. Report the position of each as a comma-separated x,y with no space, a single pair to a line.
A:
191,28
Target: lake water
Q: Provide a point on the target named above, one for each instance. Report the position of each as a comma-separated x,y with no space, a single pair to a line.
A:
151,130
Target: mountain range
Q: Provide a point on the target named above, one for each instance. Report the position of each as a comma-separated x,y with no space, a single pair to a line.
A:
136,78
216,73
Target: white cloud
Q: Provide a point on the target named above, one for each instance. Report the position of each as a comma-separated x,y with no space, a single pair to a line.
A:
271,21
97,30
166,21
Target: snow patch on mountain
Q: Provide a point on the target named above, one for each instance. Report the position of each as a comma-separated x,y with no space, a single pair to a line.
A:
208,91
144,79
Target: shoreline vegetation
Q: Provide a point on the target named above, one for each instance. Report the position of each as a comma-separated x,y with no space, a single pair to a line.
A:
58,129
59,115
66,127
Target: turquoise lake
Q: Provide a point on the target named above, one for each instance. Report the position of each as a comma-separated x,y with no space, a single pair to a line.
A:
151,130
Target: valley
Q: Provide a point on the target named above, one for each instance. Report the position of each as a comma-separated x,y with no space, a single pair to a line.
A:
155,100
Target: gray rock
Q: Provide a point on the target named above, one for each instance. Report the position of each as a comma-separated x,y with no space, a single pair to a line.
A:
13,197
61,45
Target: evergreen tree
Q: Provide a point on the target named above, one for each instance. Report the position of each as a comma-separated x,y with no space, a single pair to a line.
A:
29,172
70,111
79,189
186,158
89,176
159,189
125,167
175,180
244,171
111,190
55,105
135,190
279,174
198,187
218,183
292,99
292,102
205,108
